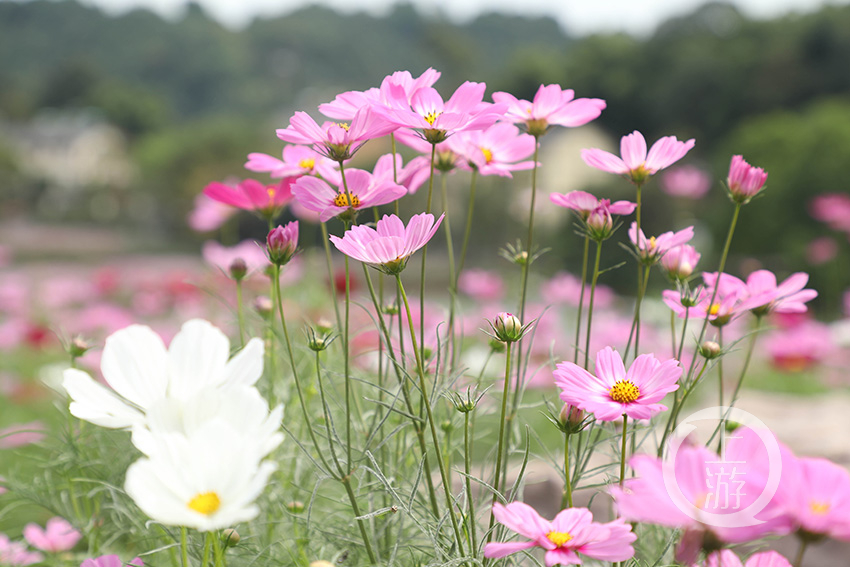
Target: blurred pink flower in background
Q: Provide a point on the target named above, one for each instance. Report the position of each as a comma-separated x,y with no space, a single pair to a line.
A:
565,288
251,195
222,257
21,434
821,250
727,558
636,163
58,535
16,553
800,347
208,214
686,181
832,209
483,285
110,561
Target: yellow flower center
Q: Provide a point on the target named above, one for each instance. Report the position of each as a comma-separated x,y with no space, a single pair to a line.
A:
714,309
559,538
271,190
343,125
652,243
206,503
341,200
307,163
431,117
819,508
624,392
488,155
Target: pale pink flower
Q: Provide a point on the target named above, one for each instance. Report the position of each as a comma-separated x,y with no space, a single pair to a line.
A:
832,209
564,287
251,195
410,176
679,262
434,119
110,561
16,553
222,257
346,104
208,214
686,181
21,434
800,347
584,203
570,533
652,249
613,392
483,285
337,141
551,107
744,180
636,163
58,535
366,191
763,295
295,161
498,150
821,250
389,245
816,496
726,558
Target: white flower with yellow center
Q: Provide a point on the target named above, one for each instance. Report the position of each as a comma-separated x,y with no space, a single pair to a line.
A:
142,372
208,480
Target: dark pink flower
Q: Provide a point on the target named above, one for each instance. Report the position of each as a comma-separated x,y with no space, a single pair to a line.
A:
57,536
388,246
636,163
251,195
366,191
686,181
570,533
551,107
744,180
613,392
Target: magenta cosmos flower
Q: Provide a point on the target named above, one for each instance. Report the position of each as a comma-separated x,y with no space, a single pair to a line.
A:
388,246
58,535
551,107
613,392
744,180
571,533
636,163
251,195
726,558
498,150
436,120
366,191
335,140
295,161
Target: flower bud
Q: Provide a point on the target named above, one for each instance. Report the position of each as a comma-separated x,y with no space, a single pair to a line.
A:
709,350
295,506
390,309
321,563
570,419
600,224
447,426
744,180
238,269
282,242
230,537
319,337
263,306
78,346
507,328
679,262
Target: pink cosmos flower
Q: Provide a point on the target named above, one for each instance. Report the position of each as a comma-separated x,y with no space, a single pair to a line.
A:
726,558
296,161
21,434
564,287
427,113
800,347
821,250
57,536
584,203
110,561
251,195
346,105
388,246
366,191
551,107
686,181
652,249
571,533
679,262
763,295
613,392
636,163
410,176
744,181
832,209
282,242
222,257
816,495
498,150
336,141
483,285
16,553
208,214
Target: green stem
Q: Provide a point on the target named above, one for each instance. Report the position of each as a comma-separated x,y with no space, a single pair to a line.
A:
424,256
217,551
746,362
590,304
623,451
240,313
567,499
433,426
346,482
467,469
327,417
581,296
327,243
798,561
207,545
501,446
184,551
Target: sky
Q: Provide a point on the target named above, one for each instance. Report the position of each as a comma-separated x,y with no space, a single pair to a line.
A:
578,17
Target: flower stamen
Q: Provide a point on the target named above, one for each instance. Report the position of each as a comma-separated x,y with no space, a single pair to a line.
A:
341,200
558,538
206,503
624,392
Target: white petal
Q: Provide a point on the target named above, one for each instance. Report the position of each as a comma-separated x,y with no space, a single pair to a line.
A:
246,366
135,364
197,357
97,404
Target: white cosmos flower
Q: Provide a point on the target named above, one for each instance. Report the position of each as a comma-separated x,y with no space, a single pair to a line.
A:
142,372
242,407
208,480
